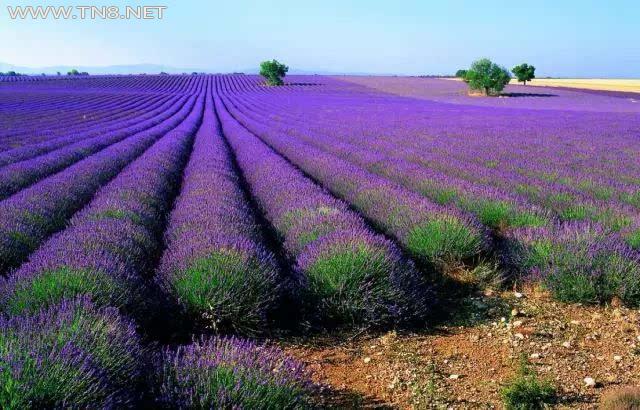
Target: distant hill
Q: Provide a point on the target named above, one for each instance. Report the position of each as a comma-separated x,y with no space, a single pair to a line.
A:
157,68
113,69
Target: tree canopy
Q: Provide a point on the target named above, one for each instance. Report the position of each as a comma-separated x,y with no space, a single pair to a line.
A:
76,72
273,71
487,77
461,74
524,72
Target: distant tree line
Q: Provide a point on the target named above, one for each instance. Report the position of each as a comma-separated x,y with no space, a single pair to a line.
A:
76,72
489,78
10,74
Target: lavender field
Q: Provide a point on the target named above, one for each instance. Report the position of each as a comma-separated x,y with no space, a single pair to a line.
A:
157,231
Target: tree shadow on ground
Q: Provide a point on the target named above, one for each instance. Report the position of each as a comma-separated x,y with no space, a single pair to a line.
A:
520,95
305,84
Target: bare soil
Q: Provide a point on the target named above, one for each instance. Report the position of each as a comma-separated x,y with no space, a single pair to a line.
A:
465,362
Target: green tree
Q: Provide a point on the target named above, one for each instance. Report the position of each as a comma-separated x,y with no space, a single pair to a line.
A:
273,71
73,72
461,74
487,76
524,72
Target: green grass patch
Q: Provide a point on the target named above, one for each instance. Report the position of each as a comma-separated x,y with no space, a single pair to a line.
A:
502,215
577,212
294,217
526,391
227,289
346,282
118,214
633,240
612,220
51,287
631,199
443,240
439,195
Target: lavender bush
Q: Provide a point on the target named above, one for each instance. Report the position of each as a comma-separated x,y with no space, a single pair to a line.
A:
70,355
231,373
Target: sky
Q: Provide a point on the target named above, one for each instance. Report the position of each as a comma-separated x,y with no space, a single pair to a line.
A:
562,38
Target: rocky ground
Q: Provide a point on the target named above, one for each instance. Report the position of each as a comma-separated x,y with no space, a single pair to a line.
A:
585,351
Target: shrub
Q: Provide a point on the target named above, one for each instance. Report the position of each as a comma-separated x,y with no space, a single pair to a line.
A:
526,391
462,74
625,399
579,262
488,77
349,278
230,288
443,240
226,373
273,71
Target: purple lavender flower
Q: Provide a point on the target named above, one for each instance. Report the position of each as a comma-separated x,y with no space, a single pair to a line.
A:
231,373
69,355
346,272
215,265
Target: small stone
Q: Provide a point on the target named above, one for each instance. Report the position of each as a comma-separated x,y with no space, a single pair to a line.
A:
575,322
367,359
454,376
534,356
518,295
519,336
589,382
517,323
567,345
393,383
503,319
617,358
514,312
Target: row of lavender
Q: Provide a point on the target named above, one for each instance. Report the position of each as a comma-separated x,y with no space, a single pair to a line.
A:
579,240
92,352
73,312
38,115
30,114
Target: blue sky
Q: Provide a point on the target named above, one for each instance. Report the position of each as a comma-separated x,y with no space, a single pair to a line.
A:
567,38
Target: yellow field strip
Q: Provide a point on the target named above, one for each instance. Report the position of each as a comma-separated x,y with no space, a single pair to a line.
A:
606,84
